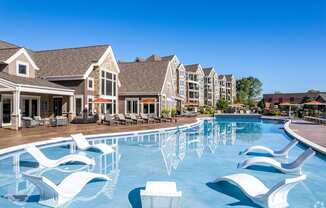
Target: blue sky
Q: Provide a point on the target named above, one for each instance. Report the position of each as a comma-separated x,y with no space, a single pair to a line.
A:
282,42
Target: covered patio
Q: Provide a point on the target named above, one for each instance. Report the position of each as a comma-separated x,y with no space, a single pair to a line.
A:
25,97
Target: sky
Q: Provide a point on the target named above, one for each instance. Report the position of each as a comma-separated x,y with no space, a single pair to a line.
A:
281,42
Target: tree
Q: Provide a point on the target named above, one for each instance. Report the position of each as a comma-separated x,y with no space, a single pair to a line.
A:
313,91
248,90
222,104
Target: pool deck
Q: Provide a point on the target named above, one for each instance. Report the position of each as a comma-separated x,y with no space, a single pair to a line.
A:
9,138
312,132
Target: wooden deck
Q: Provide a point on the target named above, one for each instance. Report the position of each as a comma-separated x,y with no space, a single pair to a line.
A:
313,132
10,138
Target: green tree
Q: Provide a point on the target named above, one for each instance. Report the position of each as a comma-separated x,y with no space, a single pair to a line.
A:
313,91
249,90
222,104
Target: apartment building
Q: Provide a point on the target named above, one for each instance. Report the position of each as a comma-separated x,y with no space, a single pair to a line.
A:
211,87
227,87
195,86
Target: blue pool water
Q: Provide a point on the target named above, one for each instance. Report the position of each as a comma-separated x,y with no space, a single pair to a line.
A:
193,158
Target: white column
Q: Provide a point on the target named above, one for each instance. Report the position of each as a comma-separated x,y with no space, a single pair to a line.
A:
16,108
71,105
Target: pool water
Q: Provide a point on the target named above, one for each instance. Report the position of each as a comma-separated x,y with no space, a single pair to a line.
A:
193,158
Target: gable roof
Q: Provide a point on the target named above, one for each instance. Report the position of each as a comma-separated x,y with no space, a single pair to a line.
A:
30,81
322,96
208,70
229,77
192,67
142,77
6,53
68,61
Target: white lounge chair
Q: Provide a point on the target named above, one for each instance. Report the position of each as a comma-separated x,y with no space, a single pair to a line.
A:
45,162
83,144
53,195
280,153
258,193
160,194
293,167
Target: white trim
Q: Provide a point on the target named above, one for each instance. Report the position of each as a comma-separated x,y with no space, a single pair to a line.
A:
20,52
100,61
90,79
36,89
23,64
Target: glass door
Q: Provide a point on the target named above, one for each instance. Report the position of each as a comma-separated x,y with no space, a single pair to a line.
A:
6,110
57,106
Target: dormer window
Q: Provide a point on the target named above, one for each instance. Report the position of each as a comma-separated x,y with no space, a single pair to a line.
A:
22,69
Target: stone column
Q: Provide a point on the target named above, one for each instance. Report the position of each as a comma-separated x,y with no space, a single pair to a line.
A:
15,116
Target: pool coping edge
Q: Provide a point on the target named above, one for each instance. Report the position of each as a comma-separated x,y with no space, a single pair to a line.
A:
302,139
93,136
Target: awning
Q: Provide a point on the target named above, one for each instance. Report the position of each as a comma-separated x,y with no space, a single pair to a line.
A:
149,100
314,103
102,100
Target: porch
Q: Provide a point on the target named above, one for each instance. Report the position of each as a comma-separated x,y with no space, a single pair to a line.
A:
16,104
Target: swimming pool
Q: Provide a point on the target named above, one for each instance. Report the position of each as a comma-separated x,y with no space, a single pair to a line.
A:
192,157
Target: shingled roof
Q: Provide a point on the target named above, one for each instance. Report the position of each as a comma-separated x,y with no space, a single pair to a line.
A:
142,77
6,53
208,70
68,61
6,45
30,81
192,67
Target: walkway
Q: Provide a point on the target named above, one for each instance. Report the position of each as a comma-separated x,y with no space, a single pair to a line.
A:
313,132
10,138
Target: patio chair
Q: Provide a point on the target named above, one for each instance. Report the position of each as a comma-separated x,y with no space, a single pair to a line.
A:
145,117
110,119
156,118
293,167
258,193
160,194
123,120
45,162
28,122
53,195
39,120
279,153
83,144
134,118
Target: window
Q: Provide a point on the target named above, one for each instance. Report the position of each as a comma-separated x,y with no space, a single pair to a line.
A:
79,105
90,105
291,99
132,106
22,69
44,106
108,83
149,108
90,83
